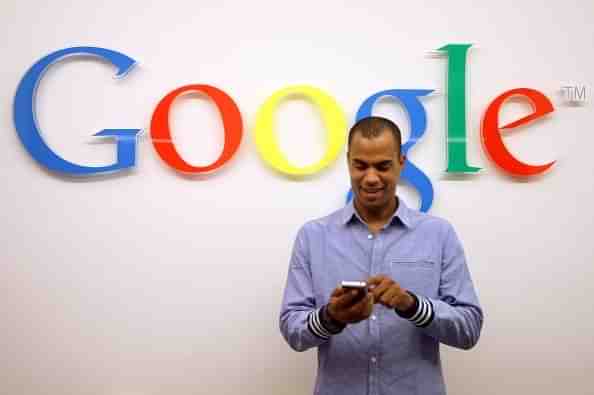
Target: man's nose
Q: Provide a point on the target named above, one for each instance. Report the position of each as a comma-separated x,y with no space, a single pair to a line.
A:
371,178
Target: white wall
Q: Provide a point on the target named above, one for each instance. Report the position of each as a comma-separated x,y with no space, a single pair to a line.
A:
156,283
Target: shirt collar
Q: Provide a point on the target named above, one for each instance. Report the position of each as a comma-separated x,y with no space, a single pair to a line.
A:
402,213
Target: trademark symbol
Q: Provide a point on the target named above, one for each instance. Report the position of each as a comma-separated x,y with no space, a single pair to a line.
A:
574,95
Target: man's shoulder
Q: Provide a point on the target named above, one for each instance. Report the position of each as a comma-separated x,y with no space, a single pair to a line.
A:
428,222
322,224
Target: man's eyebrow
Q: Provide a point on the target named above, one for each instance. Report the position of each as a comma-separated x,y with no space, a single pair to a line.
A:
380,163
385,162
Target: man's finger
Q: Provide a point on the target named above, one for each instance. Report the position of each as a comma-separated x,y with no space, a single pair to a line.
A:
346,299
338,292
381,288
375,280
369,307
362,306
388,295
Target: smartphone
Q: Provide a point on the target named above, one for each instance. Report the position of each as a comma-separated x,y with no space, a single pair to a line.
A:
360,286
354,285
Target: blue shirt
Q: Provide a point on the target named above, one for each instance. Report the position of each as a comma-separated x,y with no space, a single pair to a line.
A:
385,354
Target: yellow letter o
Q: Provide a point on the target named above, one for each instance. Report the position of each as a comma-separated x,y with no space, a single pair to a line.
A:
265,137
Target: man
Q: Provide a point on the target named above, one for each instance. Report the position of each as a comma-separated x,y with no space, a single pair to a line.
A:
420,293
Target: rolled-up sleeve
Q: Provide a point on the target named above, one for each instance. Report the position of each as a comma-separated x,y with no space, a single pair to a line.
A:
457,315
299,316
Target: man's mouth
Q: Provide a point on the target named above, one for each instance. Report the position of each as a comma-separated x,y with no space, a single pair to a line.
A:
372,191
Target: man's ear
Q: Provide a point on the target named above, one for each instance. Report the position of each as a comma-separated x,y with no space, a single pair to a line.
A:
402,159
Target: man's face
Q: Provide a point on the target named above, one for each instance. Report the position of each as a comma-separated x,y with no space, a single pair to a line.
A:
374,167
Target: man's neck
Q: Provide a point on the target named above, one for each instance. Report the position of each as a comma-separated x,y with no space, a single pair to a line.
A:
376,219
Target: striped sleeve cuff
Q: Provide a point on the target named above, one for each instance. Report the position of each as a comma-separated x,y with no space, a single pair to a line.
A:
315,325
424,313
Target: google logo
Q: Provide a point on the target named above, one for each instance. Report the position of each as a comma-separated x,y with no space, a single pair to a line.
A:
333,117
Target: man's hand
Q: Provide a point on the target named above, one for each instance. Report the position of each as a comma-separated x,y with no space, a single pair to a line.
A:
389,293
348,306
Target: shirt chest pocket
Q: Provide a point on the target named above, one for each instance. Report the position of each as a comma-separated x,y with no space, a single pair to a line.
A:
419,275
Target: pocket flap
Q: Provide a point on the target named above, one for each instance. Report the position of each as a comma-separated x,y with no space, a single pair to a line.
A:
412,261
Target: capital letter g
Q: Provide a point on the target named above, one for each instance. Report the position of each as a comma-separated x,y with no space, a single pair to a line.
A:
28,131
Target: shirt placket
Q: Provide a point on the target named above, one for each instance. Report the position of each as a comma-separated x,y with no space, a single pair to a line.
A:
375,267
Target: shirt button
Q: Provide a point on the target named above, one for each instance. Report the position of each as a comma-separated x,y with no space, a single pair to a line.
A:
373,317
370,236
373,360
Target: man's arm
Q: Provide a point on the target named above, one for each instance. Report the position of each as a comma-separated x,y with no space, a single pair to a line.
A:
302,324
456,317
